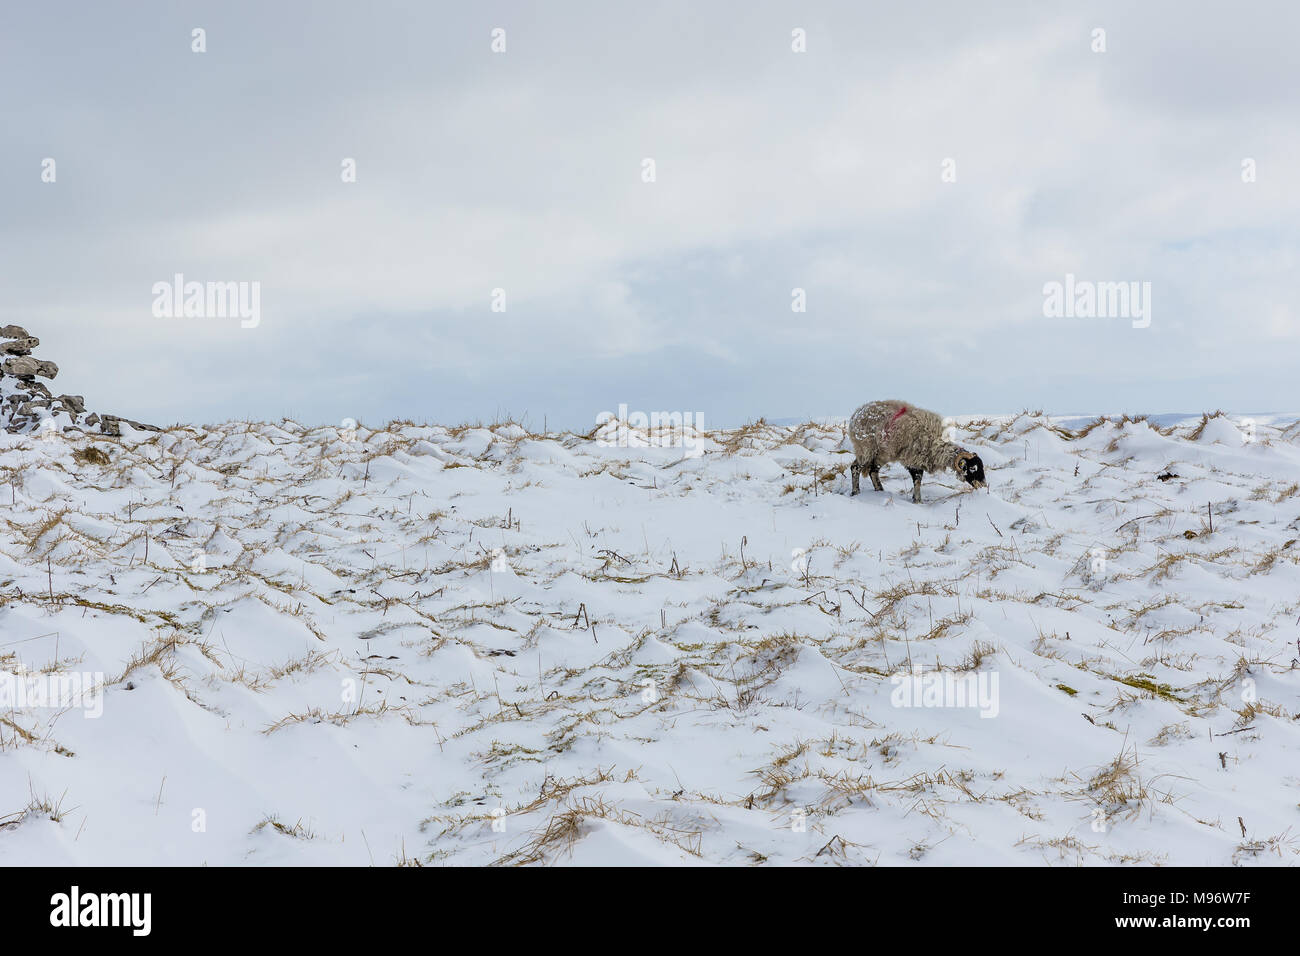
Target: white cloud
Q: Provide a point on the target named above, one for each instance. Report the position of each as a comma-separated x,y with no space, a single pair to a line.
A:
522,172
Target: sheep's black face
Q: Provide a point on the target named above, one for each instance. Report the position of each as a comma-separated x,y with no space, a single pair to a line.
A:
972,471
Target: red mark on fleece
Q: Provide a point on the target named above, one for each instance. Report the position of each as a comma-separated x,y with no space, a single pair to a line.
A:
902,410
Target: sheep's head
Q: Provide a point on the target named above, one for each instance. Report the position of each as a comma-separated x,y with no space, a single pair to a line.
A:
970,469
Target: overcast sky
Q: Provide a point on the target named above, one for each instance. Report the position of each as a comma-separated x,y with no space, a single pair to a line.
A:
774,170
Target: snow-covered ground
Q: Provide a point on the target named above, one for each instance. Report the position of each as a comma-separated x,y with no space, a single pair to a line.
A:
472,645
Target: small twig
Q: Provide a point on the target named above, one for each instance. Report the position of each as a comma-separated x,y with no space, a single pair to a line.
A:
1139,518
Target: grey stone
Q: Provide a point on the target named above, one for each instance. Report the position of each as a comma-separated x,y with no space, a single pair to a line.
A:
24,366
29,400
22,346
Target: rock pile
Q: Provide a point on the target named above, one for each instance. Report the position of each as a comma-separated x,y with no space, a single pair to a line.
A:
26,404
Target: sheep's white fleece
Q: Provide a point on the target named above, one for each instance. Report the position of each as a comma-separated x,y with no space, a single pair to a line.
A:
890,430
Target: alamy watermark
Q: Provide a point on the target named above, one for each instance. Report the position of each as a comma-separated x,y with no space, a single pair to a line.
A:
683,430
1084,299
84,691
977,689
208,300
127,910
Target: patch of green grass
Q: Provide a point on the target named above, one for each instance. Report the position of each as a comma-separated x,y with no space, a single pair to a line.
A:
1147,683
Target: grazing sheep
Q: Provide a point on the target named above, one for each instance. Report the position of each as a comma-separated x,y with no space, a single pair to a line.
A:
887,431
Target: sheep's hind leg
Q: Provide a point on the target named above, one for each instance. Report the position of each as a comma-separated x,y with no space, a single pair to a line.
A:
873,471
855,469
916,474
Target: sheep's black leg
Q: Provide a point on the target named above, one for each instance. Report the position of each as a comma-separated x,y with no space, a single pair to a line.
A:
916,474
854,469
873,470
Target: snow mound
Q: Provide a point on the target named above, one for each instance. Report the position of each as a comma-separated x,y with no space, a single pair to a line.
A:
296,645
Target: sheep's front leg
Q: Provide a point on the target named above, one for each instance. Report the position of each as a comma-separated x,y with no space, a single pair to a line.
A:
873,471
916,474
855,469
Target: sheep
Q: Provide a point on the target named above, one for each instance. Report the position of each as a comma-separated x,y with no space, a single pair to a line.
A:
887,431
